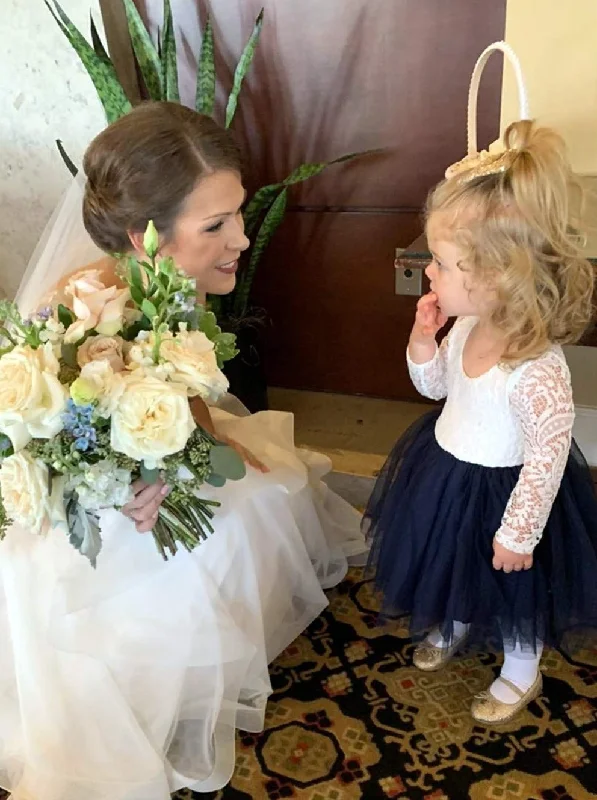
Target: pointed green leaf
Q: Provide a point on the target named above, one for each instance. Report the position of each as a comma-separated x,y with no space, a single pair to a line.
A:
104,77
270,224
137,296
145,52
69,164
169,65
306,171
65,315
98,45
136,278
225,461
264,197
261,200
208,324
225,348
214,303
148,308
206,73
242,68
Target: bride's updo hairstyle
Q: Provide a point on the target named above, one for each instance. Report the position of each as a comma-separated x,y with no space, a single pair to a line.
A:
144,166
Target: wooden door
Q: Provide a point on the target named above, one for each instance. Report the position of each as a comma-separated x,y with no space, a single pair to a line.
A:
331,77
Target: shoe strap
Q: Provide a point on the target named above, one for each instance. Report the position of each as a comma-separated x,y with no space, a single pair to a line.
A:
516,689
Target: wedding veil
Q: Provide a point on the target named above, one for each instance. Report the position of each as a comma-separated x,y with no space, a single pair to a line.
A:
64,245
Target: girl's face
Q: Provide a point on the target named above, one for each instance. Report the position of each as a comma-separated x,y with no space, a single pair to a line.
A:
458,294
208,235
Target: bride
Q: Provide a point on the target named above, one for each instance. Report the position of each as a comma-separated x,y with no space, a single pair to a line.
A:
127,682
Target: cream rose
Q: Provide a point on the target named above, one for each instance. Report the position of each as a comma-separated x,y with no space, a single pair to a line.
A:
187,358
102,348
24,486
95,305
32,399
194,359
105,385
152,419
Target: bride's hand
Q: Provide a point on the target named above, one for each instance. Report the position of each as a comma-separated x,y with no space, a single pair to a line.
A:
144,506
246,455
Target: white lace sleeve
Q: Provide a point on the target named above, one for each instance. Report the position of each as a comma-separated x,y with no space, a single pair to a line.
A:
431,379
542,401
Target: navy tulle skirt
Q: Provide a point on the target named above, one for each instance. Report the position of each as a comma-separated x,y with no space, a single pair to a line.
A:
432,520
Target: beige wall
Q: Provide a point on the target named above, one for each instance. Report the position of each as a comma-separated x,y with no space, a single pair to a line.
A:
556,41
46,95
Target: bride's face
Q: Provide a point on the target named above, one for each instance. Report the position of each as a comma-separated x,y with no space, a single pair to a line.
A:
209,233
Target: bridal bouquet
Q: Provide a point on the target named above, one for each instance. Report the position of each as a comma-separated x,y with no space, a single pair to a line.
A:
95,392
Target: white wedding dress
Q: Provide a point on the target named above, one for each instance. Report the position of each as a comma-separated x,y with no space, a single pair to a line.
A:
127,682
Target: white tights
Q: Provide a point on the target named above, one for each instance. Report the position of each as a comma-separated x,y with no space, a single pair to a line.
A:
521,665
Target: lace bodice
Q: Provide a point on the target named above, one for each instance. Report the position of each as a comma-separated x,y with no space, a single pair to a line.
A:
503,419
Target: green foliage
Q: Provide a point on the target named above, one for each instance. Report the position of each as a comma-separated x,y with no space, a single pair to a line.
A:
157,64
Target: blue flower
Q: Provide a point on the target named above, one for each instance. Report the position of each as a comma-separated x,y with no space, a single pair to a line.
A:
44,313
77,422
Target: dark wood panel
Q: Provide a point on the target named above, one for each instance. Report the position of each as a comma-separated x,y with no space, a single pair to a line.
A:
330,77
391,74
417,256
336,323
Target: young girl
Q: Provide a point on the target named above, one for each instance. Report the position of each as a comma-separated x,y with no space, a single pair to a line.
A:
484,520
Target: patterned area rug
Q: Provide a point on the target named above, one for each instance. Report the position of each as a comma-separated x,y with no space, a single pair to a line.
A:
351,718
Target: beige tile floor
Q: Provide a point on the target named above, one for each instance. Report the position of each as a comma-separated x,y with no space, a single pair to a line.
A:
356,432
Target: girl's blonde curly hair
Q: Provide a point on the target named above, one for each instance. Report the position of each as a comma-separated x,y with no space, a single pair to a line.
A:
520,235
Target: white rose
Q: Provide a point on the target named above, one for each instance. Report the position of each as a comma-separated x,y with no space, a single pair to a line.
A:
102,348
24,486
151,420
108,385
94,305
193,356
188,358
32,399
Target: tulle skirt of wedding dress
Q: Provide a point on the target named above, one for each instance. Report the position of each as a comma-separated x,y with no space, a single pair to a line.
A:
127,682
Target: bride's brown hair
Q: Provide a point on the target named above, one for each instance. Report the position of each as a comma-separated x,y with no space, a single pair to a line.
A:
145,165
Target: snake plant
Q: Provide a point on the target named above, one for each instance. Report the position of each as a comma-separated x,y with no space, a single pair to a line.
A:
157,66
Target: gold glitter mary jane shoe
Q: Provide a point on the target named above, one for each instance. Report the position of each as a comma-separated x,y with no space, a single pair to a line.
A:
488,710
430,657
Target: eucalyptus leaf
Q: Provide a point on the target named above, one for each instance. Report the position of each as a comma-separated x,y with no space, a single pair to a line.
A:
206,73
225,461
216,480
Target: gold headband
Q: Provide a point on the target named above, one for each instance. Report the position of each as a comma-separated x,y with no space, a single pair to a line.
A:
477,165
